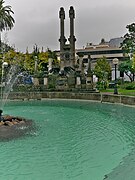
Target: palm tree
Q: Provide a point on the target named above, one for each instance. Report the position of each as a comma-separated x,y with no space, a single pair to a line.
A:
6,20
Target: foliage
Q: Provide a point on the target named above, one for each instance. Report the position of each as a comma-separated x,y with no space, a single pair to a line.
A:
6,20
128,44
128,86
52,81
120,91
127,68
133,61
52,54
102,85
43,61
27,61
102,70
5,47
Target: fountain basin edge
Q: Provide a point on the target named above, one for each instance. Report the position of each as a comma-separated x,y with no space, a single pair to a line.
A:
101,97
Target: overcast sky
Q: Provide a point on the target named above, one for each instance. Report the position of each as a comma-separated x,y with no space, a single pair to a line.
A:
37,21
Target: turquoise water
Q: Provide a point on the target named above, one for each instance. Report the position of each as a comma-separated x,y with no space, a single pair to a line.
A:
74,140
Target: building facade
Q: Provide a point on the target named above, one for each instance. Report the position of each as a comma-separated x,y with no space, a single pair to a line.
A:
96,52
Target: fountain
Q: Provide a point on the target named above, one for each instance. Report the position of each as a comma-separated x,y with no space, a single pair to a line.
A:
11,126
75,140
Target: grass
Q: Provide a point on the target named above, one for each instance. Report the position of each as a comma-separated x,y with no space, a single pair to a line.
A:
120,91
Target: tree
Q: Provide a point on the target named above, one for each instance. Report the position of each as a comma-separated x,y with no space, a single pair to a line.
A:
43,61
52,54
6,19
36,63
127,68
102,69
128,44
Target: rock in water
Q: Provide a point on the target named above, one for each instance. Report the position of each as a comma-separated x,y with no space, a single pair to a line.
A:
14,127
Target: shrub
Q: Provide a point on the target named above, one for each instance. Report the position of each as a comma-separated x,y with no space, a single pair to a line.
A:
128,86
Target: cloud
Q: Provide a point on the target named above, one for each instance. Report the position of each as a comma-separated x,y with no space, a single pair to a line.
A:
38,21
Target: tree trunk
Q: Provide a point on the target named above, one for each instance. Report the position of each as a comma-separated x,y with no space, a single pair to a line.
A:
130,77
133,76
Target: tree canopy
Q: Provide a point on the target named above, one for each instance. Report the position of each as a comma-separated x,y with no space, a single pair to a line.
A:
128,44
6,19
102,69
126,67
27,61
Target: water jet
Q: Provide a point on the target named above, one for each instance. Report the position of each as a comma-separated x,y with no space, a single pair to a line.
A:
11,127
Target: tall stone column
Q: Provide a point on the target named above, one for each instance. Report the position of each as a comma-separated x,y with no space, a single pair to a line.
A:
72,38
62,39
80,62
89,78
79,73
50,60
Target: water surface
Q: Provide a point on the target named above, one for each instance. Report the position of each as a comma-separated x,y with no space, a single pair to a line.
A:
74,140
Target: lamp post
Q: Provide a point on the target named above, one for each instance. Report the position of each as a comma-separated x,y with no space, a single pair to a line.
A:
115,62
36,59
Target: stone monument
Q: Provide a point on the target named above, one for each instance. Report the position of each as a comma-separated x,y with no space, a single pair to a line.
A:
67,51
66,79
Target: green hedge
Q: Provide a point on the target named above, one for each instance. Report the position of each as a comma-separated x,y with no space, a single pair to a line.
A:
128,86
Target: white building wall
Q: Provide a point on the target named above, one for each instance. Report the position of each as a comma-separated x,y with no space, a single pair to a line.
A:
126,78
117,74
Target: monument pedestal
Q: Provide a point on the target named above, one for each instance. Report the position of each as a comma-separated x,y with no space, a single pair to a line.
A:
78,82
61,83
36,81
89,83
46,82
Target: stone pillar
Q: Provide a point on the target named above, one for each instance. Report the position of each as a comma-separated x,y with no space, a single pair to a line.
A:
50,60
36,81
62,39
80,62
78,81
36,65
62,65
46,81
72,38
89,78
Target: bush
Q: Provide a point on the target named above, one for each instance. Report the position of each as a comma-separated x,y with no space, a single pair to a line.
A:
101,85
128,86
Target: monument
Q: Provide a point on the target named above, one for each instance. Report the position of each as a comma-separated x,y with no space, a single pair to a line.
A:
66,78
67,51
71,73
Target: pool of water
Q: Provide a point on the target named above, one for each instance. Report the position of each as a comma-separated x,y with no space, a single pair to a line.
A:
73,140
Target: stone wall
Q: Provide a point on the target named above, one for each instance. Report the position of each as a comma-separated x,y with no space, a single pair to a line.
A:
104,98
110,98
129,100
